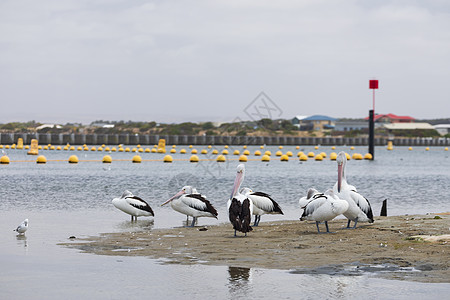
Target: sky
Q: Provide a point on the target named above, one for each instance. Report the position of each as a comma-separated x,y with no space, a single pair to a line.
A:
177,61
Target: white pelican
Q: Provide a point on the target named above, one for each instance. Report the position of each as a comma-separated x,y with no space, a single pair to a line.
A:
189,202
359,209
262,204
22,227
133,205
239,206
321,207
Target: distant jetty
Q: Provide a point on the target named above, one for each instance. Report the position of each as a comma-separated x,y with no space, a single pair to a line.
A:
143,139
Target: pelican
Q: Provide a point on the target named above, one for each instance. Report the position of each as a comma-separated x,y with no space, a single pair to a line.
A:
262,204
22,227
239,206
133,205
359,209
321,207
189,202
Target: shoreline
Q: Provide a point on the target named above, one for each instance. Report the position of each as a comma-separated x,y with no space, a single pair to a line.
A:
393,247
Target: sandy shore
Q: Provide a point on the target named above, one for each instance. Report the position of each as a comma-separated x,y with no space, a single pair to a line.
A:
389,243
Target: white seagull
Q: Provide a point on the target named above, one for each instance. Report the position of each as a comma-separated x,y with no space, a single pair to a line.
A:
22,227
239,206
189,202
133,205
321,207
359,209
262,204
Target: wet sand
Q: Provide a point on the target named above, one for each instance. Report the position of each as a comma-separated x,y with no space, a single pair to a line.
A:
397,243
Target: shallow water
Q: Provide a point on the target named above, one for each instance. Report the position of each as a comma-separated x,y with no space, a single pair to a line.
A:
63,200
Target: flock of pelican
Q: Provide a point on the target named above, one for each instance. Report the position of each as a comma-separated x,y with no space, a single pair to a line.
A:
343,199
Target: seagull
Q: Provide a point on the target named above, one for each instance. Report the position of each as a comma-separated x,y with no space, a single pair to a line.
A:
262,204
133,205
22,227
359,209
189,202
239,206
321,207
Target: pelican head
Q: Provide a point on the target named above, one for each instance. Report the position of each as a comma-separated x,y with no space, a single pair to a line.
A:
240,172
185,190
25,222
246,191
341,160
127,193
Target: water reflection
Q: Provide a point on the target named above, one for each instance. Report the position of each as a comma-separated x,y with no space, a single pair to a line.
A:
22,241
139,225
238,281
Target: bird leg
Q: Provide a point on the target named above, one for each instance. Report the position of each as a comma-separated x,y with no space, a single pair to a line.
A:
356,222
326,225
348,223
193,221
317,225
235,232
256,218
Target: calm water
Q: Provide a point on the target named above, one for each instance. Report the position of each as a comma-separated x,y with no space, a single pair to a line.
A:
62,200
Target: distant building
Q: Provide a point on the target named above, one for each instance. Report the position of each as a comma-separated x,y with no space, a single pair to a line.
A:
351,125
43,126
315,122
443,129
408,126
102,125
391,118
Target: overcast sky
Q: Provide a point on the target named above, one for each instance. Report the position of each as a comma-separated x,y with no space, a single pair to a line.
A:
175,61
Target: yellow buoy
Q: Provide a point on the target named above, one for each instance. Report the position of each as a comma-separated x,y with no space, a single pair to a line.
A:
100,149
204,151
140,150
333,148
318,157
168,158
209,146
173,150
324,155
154,150
268,153
265,158
190,146
93,149
410,148
368,156
357,156
174,146
120,149
4,160
27,147
161,150
215,151
147,150
246,152
289,153
303,157
1,146
57,148
221,158
138,146
235,152
41,159
390,146
446,149
298,147
107,159
311,154
107,149
352,148
127,149
226,147
86,149
134,150
243,158
257,153
316,147
348,156
66,148
136,159
45,147
183,151
333,155
280,147
79,148
427,149
284,157
194,158
279,153
194,151
224,152
245,147
73,159
261,147
39,147
300,153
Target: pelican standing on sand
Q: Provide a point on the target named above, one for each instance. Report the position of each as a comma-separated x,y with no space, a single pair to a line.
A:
359,209
239,206
189,202
321,207
22,227
133,205
262,204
